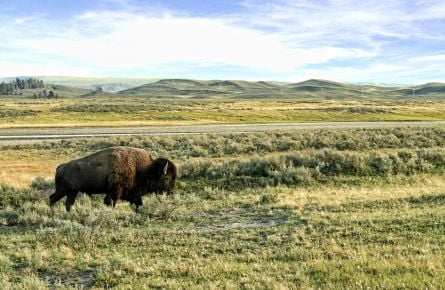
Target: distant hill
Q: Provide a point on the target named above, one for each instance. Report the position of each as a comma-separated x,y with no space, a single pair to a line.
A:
430,88
318,83
202,89
314,88
185,88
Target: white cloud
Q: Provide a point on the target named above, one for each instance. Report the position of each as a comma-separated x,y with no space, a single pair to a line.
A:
114,40
339,21
429,58
349,74
284,38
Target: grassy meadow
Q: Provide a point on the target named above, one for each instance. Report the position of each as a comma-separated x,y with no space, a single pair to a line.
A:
319,208
128,111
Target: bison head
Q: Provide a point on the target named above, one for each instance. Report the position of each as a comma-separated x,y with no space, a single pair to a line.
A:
162,176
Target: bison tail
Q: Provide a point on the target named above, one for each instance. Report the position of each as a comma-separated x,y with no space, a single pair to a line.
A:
59,170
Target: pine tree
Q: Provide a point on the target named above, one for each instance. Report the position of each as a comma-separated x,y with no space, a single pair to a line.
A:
14,87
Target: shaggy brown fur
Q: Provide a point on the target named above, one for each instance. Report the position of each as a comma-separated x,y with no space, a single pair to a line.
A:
121,172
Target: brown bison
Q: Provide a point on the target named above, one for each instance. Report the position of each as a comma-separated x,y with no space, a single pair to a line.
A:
121,172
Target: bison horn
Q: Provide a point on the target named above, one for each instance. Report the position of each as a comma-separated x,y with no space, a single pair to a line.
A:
165,168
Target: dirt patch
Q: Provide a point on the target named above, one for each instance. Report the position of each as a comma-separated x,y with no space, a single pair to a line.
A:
238,220
79,279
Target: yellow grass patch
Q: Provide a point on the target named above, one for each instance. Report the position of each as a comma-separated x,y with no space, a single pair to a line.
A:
19,168
299,198
105,111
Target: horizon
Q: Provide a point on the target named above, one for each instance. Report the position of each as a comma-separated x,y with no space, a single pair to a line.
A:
281,40
153,79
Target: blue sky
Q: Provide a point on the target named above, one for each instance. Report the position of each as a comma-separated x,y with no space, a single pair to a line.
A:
398,41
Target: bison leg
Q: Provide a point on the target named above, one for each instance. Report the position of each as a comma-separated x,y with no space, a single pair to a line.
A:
70,199
109,201
111,198
55,197
137,202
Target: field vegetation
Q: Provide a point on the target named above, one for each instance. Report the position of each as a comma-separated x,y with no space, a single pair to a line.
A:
320,208
127,111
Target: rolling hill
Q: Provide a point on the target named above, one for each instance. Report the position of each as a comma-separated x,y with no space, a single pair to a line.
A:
203,89
314,88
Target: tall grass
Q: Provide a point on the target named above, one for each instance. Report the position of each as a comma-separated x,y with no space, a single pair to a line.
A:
319,164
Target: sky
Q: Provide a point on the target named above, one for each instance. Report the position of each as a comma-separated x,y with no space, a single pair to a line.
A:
384,42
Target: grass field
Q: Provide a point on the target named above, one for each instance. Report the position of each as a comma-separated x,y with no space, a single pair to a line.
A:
114,111
320,208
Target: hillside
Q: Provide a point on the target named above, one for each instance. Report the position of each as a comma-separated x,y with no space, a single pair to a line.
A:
318,83
185,88
208,89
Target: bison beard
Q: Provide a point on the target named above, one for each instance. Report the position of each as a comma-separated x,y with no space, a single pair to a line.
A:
121,172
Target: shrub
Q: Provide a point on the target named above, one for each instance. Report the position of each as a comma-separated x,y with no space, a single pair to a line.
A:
301,168
268,198
182,147
379,164
40,183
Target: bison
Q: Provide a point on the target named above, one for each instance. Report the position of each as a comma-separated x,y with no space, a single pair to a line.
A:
121,172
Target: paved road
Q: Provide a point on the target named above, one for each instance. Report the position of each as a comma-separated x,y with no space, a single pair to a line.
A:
83,132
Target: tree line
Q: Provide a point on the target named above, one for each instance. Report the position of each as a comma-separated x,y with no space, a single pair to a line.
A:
45,95
14,87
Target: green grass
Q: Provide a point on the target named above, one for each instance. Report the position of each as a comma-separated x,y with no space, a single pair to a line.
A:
235,221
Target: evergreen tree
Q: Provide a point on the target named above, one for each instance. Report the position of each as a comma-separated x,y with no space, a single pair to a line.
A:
14,87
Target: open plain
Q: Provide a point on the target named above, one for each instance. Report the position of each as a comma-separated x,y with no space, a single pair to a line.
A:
340,206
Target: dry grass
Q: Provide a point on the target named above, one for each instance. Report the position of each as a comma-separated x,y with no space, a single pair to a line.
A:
129,111
20,175
19,167
328,196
